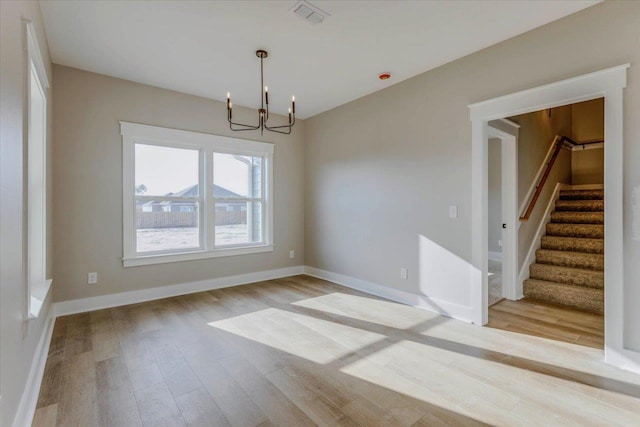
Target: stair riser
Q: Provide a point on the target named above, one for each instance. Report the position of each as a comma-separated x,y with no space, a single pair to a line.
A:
577,217
591,231
587,278
571,259
580,205
586,299
592,246
582,195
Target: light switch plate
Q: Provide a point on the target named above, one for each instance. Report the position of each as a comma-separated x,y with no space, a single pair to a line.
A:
453,211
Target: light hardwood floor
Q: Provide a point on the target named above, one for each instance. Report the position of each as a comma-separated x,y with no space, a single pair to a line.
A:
548,321
301,351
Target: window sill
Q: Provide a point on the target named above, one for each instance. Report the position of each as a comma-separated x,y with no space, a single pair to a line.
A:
190,256
39,294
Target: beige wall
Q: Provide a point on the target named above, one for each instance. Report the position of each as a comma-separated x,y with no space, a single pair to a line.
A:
88,189
381,170
587,120
536,134
18,339
587,124
494,184
587,166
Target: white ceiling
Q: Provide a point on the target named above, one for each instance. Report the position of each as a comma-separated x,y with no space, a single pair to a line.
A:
207,48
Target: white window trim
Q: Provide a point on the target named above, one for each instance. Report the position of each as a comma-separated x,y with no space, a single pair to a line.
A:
207,144
35,293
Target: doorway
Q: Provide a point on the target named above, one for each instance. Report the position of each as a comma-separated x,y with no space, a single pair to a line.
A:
607,84
502,215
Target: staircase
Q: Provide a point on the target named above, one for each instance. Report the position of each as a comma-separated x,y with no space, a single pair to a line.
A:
569,267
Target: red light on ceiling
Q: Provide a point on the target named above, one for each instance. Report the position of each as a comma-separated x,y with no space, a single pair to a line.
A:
384,76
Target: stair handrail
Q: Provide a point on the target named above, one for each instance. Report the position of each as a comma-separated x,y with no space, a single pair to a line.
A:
558,141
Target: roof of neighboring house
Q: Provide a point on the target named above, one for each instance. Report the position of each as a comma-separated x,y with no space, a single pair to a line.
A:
192,191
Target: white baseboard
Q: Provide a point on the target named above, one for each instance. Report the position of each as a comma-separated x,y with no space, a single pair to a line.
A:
494,256
535,243
588,187
29,399
419,301
132,297
623,359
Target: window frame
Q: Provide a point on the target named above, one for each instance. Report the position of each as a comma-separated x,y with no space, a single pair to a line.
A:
207,144
36,288
248,199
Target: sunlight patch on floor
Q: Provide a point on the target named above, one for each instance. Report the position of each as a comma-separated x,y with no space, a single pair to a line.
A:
380,312
299,335
433,364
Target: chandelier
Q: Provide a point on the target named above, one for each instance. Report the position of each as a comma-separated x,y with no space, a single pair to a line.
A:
263,113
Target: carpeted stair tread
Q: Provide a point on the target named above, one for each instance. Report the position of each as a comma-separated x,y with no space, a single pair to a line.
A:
592,231
573,244
579,297
580,205
567,275
568,217
582,195
570,259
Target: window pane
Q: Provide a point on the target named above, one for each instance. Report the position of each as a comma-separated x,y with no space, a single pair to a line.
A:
238,223
163,225
166,171
237,176
37,215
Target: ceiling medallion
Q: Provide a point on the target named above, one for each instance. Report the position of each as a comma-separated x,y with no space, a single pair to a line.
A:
263,113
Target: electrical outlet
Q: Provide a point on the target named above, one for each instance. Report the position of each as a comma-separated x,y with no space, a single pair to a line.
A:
500,243
292,254
403,273
92,278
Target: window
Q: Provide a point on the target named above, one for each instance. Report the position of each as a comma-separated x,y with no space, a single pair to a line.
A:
190,195
36,177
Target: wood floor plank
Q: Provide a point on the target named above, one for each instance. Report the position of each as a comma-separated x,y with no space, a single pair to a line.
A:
175,370
46,416
321,410
301,351
235,404
274,404
78,335
158,408
548,321
117,405
199,409
77,406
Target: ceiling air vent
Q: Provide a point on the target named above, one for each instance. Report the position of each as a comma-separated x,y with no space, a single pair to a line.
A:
310,13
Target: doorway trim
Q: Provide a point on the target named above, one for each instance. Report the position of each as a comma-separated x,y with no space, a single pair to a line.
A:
507,132
607,84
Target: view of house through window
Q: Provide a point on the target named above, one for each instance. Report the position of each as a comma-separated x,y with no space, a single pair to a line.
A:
237,192
169,204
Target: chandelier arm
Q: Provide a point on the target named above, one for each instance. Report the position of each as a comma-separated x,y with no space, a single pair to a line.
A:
290,125
278,127
279,131
248,127
240,130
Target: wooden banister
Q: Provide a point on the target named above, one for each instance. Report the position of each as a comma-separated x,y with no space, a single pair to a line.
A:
558,141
